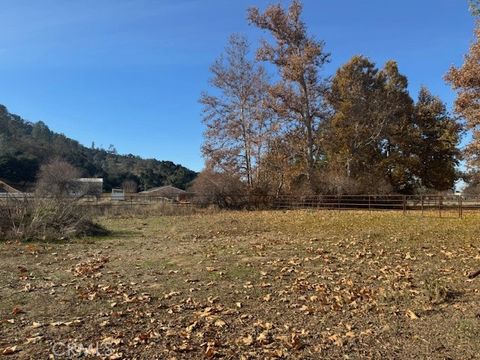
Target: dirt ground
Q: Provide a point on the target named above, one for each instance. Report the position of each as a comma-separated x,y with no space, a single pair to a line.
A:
248,285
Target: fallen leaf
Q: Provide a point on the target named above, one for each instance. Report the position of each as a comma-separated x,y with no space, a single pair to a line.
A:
57,323
264,337
411,315
220,323
192,327
336,339
33,340
16,310
111,341
210,352
248,340
171,294
10,350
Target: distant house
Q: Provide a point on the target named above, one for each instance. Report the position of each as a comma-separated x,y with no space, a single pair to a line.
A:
118,195
88,186
7,189
168,192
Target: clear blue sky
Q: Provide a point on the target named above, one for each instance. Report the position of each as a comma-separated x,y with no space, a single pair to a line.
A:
129,72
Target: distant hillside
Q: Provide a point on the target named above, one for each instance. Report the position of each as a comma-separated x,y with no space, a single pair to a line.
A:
24,146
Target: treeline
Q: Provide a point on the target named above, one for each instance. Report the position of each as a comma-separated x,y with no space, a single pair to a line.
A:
276,124
25,146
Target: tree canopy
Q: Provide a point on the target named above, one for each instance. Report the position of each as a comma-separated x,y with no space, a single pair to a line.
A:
357,132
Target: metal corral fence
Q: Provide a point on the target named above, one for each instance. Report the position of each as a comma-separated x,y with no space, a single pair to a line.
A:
436,205
432,205
429,205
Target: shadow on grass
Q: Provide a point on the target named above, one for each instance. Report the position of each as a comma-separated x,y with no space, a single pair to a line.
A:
110,235
97,233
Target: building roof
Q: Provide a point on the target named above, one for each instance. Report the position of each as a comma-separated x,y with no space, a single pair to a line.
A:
4,187
164,191
91,180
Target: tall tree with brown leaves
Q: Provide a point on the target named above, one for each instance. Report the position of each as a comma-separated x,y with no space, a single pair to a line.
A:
298,97
235,117
465,80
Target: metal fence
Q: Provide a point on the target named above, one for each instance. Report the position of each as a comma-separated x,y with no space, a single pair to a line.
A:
427,205
432,205
412,204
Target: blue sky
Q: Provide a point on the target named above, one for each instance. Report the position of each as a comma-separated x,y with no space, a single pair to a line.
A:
130,72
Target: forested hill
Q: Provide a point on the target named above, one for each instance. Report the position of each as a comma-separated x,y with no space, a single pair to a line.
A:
24,146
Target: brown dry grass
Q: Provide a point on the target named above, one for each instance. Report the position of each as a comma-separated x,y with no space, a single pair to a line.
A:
258,285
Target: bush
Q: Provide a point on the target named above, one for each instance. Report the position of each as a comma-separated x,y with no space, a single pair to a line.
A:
220,189
53,212
42,218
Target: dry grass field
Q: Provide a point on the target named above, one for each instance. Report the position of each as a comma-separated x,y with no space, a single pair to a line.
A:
248,285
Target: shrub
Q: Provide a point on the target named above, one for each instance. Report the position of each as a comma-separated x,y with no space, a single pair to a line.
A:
45,218
53,212
220,189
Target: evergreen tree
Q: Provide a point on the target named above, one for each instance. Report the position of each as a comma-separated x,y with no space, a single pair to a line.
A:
353,134
437,149
400,163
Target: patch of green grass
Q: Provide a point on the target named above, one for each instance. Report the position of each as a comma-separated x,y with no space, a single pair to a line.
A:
157,264
241,272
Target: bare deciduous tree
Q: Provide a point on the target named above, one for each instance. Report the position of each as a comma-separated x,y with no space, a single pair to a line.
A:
299,96
57,178
235,118
130,186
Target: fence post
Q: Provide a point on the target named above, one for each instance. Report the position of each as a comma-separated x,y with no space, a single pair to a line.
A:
422,200
440,206
404,205
369,203
460,207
